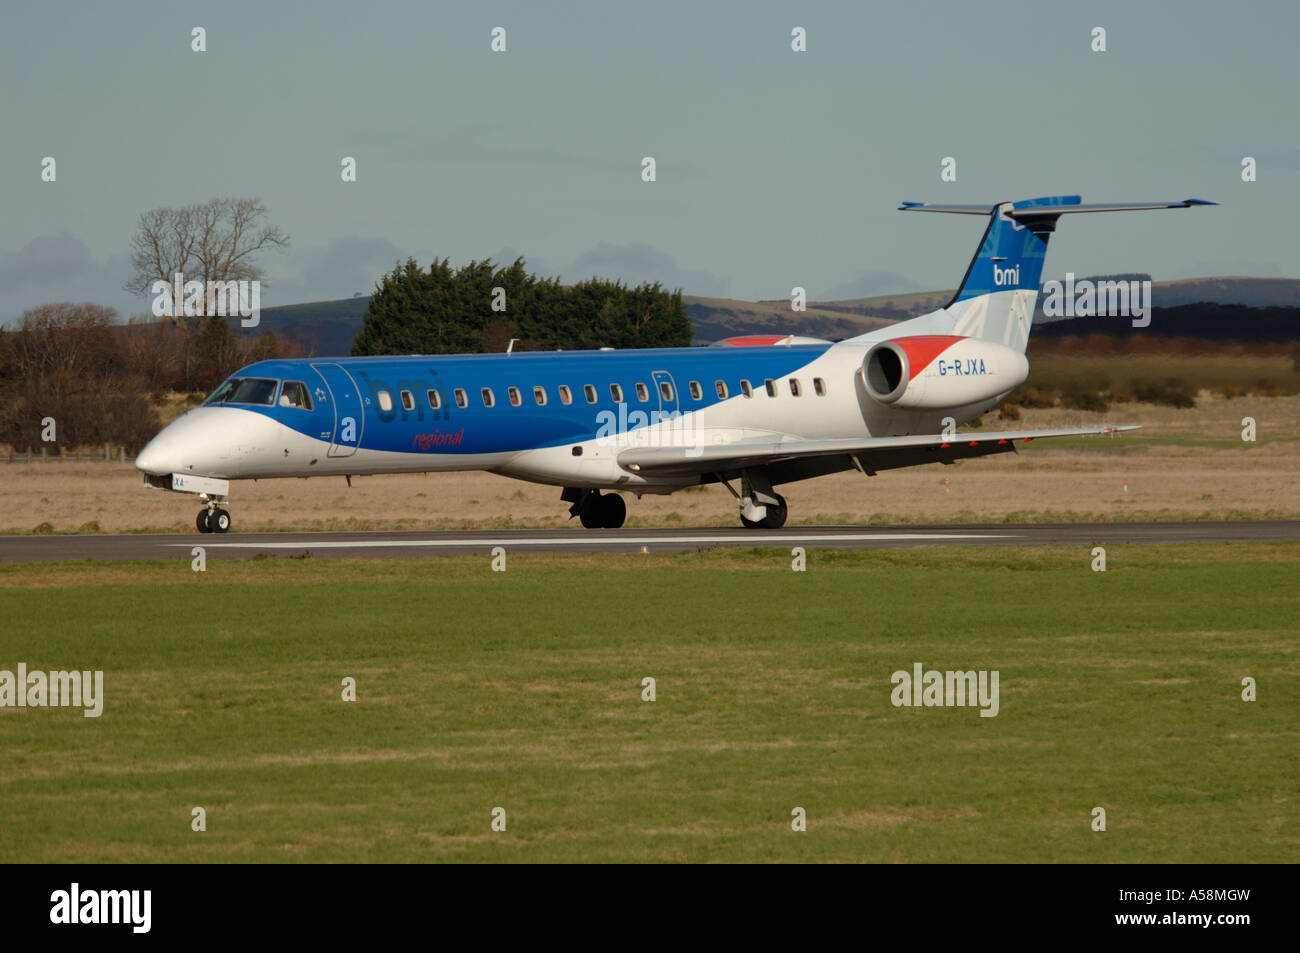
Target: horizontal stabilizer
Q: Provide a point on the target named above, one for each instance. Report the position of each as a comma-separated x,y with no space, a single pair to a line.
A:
1034,208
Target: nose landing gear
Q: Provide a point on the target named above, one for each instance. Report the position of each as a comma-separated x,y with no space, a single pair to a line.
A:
213,519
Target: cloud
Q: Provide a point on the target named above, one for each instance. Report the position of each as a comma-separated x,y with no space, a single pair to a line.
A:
869,284
637,262
1240,266
536,266
61,267
340,268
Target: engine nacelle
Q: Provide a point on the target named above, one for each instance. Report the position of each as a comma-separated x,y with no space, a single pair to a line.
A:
936,371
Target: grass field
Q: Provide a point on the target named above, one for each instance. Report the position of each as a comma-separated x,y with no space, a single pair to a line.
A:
522,689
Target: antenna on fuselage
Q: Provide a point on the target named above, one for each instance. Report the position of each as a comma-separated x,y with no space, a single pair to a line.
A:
511,346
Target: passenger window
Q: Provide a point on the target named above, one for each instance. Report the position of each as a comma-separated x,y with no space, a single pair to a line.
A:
770,386
435,399
795,389
616,392
539,395
294,394
666,389
515,399
462,400
697,393
385,400
408,400
489,398
819,386
722,388
566,395
642,393
746,389
590,391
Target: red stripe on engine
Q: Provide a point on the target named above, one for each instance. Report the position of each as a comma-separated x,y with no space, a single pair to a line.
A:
923,349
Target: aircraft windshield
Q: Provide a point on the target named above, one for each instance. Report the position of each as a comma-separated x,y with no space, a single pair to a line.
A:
244,390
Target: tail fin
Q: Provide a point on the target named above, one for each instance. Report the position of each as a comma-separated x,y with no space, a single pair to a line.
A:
997,296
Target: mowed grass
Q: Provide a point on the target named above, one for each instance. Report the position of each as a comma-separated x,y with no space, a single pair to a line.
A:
522,690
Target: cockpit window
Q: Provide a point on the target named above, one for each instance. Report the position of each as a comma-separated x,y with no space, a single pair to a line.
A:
253,390
294,394
223,391
244,390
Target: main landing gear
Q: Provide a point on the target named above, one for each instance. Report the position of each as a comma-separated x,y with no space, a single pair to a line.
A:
594,509
213,519
761,507
774,519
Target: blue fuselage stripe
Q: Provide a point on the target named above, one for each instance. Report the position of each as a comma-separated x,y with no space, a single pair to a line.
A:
504,427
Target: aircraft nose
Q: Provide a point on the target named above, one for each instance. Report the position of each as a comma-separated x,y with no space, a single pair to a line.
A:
149,460
222,442
159,456
179,447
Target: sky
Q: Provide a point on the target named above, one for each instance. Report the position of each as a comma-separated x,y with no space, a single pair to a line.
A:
774,168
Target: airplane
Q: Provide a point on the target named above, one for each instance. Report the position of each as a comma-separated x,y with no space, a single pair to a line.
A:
767,411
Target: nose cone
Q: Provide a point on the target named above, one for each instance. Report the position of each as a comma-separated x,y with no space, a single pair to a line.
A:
195,442
169,451
150,459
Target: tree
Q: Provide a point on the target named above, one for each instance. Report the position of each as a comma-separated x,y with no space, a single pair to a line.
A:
218,241
70,362
217,353
441,311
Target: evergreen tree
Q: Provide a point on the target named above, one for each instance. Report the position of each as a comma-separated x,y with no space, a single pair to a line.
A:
441,311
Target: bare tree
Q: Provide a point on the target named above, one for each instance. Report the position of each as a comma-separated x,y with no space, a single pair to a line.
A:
216,241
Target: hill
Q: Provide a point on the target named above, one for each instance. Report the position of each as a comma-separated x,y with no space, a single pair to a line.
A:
1205,321
322,327
328,327
716,318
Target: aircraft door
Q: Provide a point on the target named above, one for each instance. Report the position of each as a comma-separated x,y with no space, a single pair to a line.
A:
349,416
666,387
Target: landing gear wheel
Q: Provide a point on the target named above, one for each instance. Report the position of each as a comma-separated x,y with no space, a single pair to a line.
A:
613,511
590,514
774,519
220,521
202,522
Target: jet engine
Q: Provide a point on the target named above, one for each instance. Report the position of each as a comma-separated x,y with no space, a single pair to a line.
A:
937,371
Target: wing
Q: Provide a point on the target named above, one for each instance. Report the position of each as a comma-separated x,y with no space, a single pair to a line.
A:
868,454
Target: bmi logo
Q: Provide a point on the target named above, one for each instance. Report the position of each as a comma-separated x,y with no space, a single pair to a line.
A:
1006,276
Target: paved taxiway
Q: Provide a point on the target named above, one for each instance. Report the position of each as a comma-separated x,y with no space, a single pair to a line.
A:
448,543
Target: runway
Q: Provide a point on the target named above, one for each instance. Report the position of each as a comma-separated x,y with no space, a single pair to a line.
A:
456,543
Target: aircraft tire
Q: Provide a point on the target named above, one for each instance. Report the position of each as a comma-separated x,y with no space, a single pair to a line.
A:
613,511
202,522
775,518
220,521
590,514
